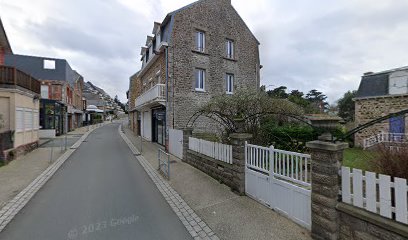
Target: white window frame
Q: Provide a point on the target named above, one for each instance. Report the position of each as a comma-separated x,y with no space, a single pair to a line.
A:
229,83
230,45
199,79
158,41
43,91
200,41
49,64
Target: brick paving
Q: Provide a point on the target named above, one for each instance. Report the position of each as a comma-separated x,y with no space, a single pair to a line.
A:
193,223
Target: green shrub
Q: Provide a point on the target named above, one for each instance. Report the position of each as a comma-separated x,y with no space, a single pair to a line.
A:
391,161
290,137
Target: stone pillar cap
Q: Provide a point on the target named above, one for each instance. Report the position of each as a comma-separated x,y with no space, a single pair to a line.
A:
241,136
329,146
187,129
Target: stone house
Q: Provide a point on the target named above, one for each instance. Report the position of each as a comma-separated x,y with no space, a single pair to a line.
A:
378,95
61,92
197,52
133,92
19,106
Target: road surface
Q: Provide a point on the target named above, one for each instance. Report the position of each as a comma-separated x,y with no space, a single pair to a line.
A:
100,192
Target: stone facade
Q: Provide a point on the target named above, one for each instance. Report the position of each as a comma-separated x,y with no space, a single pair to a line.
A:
368,109
358,224
2,52
220,22
326,163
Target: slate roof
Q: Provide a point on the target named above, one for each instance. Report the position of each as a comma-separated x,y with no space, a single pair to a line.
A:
375,84
34,66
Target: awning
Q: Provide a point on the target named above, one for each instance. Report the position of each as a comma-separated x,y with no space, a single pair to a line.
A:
94,111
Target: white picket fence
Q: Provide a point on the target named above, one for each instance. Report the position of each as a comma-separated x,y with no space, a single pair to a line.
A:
376,194
385,138
290,166
221,152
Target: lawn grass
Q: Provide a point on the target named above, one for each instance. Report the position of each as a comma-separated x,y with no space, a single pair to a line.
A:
1,163
358,158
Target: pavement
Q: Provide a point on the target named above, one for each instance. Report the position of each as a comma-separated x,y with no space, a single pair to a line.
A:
228,215
100,192
19,173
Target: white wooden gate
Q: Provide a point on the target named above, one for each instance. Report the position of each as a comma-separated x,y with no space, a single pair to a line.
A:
280,180
176,142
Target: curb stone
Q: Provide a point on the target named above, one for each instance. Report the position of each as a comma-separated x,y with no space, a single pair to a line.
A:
197,228
10,210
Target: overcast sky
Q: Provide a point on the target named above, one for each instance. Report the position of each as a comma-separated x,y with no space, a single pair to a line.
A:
305,44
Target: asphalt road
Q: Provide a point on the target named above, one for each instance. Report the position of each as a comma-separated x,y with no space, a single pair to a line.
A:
100,192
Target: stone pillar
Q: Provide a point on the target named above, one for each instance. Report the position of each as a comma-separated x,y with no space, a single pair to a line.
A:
238,160
326,165
187,132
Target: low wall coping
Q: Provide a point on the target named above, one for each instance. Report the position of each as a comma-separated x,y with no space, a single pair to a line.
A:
241,136
375,219
328,146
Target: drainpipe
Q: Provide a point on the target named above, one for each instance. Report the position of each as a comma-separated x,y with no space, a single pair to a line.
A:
167,96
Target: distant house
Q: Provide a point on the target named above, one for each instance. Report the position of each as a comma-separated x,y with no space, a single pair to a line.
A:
197,52
61,89
19,106
381,94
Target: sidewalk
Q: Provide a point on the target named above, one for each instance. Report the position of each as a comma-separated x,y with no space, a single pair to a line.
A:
230,216
19,173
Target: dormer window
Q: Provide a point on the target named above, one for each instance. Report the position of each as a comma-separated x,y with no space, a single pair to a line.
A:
147,55
200,41
158,41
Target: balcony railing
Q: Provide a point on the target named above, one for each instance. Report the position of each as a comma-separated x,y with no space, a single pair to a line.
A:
153,95
11,77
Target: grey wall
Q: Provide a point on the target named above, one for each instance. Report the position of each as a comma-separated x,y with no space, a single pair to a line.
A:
34,66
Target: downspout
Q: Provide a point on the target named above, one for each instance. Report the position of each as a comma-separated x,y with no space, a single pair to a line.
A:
167,95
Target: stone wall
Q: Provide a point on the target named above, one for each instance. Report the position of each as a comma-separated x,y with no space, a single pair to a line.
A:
359,224
331,218
369,109
232,175
221,171
220,21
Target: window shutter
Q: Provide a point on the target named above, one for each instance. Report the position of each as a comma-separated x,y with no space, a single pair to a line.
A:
203,42
197,40
28,119
36,120
232,49
202,78
19,119
197,78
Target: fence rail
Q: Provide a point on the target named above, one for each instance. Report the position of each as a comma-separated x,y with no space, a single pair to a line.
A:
385,138
290,166
11,76
379,194
221,152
